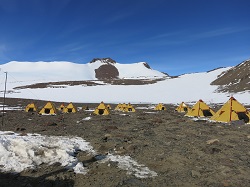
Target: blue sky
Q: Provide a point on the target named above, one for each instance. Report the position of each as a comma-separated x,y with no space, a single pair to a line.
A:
173,36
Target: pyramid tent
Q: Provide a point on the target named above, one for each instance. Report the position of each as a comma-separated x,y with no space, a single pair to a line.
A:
182,108
85,107
160,106
129,108
70,108
200,109
232,110
48,108
61,107
31,108
101,109
124,106
109,107
118,107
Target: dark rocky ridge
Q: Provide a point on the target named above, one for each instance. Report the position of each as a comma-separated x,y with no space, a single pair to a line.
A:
104,60
236,79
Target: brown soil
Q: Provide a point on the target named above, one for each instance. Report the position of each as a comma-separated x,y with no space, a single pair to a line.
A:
175,147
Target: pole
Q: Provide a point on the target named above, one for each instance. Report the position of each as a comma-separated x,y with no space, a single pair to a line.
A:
4,97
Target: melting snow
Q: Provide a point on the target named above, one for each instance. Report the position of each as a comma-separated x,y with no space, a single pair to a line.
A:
18,153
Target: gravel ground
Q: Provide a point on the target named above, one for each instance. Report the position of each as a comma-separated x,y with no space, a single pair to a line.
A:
181,151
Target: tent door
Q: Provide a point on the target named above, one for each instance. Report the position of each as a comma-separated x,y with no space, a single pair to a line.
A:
207,113
101,111
69,110
163,108
243,116
47,111
31,110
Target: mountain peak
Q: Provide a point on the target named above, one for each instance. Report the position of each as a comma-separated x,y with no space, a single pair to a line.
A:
107,60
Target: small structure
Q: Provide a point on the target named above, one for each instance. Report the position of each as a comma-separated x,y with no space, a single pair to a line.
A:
61,107
232,110
119,107
31,108
85,107
70,108
48,108
109,107
182,108
200,109
160,106
129,108
101,109
124,106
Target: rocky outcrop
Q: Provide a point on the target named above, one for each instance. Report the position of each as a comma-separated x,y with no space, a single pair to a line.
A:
236,79
103,60
106,71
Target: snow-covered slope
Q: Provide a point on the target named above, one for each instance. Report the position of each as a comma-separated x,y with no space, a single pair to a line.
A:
68,71
187,88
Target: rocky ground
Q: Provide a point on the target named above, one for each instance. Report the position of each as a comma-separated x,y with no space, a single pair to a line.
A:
181,151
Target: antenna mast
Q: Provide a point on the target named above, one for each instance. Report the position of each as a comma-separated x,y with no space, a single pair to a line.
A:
4,97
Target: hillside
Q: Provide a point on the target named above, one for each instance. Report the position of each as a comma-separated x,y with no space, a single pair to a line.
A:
97,69
236,79
112,82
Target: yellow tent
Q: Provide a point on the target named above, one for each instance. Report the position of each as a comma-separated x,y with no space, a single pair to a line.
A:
61,107
232,110
49,108
182,108
160,106
109,107
101,109
118,107
85,107
31,108
129,108
200,109
124,106
70,108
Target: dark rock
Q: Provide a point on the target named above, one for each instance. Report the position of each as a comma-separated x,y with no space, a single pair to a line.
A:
106,71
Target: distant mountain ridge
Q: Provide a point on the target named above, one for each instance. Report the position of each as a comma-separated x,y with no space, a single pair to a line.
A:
236,79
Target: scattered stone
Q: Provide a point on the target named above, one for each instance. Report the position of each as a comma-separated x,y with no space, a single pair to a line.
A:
52,124
86,158
212,141
195,174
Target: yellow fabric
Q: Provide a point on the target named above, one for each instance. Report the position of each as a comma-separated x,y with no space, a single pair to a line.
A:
101,110
160,106
230,110
61,107
48,108
129,108
182,108
31,108
199,109
70,108
118,107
